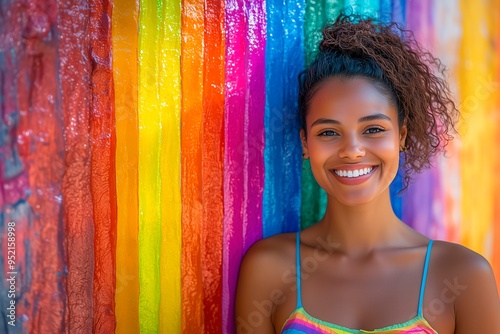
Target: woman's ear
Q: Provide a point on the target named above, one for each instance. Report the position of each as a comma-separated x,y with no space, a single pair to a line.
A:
402,136
303,139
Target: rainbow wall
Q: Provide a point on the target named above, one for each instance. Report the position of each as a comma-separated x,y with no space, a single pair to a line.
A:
145,145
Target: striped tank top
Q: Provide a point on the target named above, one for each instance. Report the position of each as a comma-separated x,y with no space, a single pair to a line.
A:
300,322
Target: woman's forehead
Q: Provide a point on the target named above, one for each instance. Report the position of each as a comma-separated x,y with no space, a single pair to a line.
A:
340,94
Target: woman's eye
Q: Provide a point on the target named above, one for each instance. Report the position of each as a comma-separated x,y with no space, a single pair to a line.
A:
327,133
374,130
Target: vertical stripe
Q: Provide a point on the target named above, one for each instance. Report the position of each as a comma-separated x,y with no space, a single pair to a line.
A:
315,20
423,196
191,164
386,10
284,60
447,34
31,169
245,106
477,90
496,228
125,24
170,107
149,119
293,63
234,153
74,76
213,155
396,14
102,178
313,197
274,121
399,11
253,169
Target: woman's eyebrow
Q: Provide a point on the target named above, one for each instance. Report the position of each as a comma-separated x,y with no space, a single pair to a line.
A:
368,118
325,121
374,117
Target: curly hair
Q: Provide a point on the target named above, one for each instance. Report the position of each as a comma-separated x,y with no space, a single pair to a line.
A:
390,57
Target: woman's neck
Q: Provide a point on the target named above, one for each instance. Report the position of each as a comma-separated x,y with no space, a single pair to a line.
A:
357,230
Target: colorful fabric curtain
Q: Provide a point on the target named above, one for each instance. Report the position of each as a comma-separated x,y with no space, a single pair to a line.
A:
145,145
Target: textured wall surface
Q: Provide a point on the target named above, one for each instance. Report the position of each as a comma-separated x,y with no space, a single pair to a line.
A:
145,145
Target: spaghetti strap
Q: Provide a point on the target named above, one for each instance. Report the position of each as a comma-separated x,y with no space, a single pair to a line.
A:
297,267
424,278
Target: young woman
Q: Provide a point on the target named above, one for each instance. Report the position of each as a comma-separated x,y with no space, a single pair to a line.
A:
368,100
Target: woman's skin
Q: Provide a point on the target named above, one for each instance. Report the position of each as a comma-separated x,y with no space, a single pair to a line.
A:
361,265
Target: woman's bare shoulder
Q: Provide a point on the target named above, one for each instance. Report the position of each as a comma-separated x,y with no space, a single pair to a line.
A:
270,254
459,259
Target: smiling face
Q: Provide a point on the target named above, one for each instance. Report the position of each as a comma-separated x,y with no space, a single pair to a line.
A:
353,140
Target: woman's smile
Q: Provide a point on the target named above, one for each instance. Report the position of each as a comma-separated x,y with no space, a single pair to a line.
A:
353,173
354,176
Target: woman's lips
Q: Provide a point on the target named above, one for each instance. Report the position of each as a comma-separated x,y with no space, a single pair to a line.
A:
353,176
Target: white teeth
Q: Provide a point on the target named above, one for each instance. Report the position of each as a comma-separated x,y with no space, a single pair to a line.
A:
353,173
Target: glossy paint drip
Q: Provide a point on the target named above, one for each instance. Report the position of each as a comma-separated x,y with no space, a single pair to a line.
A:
399,11
125,21
234,154
427,187
191,164
149,178
496,228
103,182
31,166
284,59
171,206
293,62
272,207
75,80
212,164
397,14
446,46
478,87
253,168
313,197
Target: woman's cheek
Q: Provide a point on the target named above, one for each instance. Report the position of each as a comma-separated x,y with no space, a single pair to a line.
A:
321,152
389,155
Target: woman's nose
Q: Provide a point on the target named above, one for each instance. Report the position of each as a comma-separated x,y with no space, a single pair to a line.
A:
351,148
